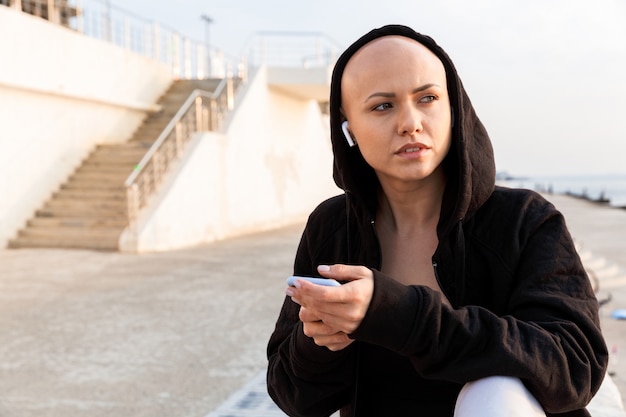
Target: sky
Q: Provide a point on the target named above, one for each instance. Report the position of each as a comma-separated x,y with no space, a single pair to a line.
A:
546,76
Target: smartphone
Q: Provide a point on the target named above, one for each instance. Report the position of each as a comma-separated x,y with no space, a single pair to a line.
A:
319,281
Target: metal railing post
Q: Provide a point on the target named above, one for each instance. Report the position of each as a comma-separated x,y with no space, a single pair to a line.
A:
127,36
198,114
176,55
179,132
147,41
132,202
213,113
230,92
156,44
107,22
80,20
52,12
190,124
187,58
201,62
205,119
242,72
156,171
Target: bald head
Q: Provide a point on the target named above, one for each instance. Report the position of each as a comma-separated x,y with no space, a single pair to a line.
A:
386,63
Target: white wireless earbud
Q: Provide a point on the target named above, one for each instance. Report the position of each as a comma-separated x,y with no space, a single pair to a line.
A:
344,127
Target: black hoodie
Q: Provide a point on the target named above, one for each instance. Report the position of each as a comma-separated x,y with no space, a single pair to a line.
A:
522,304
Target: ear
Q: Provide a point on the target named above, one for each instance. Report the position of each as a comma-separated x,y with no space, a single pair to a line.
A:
347,134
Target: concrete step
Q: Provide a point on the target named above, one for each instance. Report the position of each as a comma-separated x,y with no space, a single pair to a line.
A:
82,212
113,167
150,133
177,93
132,149
147,136
155,127
114,159
65,243
121,158
90,183
209,84
89,194
123,145
118,176
87,186
106,169
77,222
100,204
176,98
72,232
90,209
108,165
61,210
127,147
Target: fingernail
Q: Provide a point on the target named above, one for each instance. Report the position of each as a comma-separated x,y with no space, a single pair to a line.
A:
297,284
289,292
323,268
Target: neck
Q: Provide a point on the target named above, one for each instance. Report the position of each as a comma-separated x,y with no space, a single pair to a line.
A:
411,207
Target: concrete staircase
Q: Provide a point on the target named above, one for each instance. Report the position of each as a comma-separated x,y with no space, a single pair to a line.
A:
89,210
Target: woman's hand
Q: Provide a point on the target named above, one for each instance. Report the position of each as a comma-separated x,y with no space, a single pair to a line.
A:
321,333
330,314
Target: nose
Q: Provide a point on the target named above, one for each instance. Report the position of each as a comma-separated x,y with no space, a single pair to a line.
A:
409,120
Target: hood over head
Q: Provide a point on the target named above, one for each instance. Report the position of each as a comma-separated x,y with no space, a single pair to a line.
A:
469,165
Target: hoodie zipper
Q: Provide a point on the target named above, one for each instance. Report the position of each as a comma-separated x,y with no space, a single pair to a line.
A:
380,251
439,281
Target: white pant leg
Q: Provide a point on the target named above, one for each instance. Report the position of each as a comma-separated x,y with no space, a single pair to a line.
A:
497,396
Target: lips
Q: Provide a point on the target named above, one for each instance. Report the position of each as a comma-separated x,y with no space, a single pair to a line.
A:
410,148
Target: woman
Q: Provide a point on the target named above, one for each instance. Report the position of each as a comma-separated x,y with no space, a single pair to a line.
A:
447,279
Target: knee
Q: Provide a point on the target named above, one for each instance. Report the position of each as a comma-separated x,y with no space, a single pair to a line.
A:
497,396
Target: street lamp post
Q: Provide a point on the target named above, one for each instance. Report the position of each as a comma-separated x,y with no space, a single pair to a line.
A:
208,22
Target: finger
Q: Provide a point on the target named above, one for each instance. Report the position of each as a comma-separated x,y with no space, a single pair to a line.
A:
307,315
318,329
331,319
341,272
334,342
337,346
344,322
333,301
306,293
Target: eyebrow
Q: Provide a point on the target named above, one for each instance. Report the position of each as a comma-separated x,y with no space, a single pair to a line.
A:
391,95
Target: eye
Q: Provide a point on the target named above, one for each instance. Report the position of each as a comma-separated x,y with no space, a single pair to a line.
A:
383,107
429,98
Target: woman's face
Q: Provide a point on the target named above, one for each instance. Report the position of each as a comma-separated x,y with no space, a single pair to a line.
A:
395,98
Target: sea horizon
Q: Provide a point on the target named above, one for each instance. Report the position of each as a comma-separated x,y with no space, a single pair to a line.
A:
609,188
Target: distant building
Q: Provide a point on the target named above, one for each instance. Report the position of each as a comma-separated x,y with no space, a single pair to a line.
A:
57,11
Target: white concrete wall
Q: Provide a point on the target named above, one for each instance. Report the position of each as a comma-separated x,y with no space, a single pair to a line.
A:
60,94
271,166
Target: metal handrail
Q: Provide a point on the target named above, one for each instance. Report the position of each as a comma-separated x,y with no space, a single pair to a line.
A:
202,111
291,49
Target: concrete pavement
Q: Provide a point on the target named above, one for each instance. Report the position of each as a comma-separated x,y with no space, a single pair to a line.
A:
599,232
178,334
109,334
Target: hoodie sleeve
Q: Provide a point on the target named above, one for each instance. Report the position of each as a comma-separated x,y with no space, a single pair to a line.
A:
304,379
549,335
